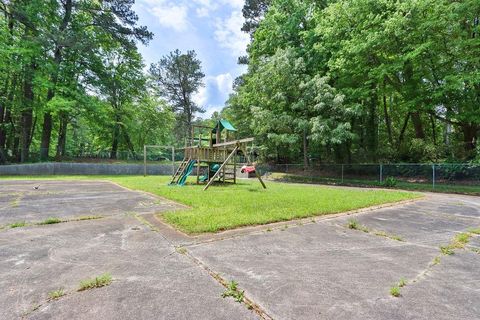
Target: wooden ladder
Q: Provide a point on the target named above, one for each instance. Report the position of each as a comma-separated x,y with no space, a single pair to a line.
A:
180,170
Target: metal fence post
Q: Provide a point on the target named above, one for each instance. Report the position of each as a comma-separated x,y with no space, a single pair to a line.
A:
144,160
433,176
173,160
381,173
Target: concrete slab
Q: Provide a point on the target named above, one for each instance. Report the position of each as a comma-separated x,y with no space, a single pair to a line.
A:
151,280
325,271
319,270
71,199
433,221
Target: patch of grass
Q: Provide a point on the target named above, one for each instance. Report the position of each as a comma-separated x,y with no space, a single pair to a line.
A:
88,218
436,260
395,291
474,230
50,220
446,250
181,250
17,224
232,291
224,207
461,240
97,282
214,210
402,283
352,224
458,242
56,294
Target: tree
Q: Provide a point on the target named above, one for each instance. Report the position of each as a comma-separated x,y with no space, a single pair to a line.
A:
178,77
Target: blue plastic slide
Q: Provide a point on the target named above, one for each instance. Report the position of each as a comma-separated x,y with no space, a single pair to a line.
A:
186,173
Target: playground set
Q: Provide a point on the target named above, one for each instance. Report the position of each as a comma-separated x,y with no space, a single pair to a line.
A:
214,152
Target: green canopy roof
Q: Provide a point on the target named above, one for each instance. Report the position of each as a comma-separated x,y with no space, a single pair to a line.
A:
223,124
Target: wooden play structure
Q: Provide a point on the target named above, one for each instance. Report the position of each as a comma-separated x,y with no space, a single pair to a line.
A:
213,151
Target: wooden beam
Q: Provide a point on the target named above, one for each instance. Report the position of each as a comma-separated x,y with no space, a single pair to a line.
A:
244,150
233,142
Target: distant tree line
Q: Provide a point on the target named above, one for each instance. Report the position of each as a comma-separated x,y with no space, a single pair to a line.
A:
72,80
361,80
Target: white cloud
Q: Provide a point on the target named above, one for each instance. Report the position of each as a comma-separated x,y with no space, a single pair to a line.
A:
205,7
170,14
229,35
224,83
201,96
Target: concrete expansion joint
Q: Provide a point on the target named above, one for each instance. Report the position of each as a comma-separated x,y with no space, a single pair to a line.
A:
248,301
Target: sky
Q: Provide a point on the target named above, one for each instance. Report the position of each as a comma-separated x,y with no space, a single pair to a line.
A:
211,28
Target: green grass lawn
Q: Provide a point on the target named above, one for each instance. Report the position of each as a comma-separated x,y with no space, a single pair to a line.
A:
224,207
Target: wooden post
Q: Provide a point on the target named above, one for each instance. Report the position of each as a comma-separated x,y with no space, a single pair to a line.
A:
235,169
244,150
198,169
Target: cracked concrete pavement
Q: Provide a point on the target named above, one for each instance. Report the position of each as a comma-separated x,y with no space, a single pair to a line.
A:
313,270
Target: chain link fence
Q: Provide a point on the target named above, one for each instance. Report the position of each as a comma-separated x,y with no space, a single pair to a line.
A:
448,177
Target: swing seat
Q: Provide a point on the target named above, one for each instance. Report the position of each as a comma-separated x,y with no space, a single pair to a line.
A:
247,169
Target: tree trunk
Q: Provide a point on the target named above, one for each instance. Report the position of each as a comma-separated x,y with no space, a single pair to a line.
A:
305,149
27,113
470,132
418,125
434,130
402,132
129,143
114,150
372,126
62,137
388,123
47,118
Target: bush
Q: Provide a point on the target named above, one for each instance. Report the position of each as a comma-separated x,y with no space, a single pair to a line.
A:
389,182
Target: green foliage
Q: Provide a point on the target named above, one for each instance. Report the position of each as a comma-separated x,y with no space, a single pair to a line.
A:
389,182
395,291
177,77
232,291
97,282
17,224
56,294
72,80
280,202
50,220
397,86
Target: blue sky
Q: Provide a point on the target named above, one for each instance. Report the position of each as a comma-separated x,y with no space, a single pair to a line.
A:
211,28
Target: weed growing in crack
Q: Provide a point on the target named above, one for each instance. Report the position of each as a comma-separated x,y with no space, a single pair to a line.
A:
181,250
395,291
352,224
446,250
89,218
474,230
17,224
56,294
436,261
402,283
50,220
97,282
232,291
